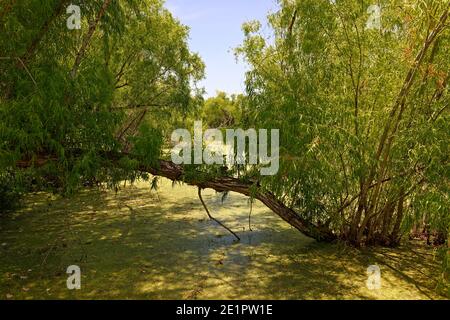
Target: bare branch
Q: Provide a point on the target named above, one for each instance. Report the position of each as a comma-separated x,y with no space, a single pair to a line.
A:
212,218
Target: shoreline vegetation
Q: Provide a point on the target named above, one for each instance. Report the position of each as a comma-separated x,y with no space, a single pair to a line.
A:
352,195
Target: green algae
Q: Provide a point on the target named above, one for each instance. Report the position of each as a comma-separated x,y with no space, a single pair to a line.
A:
143,244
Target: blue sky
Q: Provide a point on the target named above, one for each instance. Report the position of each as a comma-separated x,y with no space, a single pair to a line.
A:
215,30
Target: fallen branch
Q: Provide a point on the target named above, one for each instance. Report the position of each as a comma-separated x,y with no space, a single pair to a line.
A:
174,172
211,217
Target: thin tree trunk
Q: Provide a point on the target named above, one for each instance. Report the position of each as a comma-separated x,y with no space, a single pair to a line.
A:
87,39
395,235
380,166
44,29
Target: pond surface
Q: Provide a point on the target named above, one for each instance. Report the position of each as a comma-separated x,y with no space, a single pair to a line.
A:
143,244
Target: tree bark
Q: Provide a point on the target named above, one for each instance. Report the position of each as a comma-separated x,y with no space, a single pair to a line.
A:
174,172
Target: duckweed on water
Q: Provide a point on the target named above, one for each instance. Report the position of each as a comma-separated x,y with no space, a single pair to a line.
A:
142,244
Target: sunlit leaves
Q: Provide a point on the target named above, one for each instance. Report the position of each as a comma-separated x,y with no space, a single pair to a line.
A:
329,84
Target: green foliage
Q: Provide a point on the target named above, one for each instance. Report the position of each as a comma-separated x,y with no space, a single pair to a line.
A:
332,86
147,145
363,113
80,106
10,193
222,111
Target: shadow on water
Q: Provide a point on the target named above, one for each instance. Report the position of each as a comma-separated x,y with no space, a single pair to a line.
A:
143,245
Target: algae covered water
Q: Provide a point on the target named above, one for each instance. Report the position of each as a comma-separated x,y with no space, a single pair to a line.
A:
144,244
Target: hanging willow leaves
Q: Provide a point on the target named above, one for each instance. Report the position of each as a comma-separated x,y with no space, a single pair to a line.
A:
362,109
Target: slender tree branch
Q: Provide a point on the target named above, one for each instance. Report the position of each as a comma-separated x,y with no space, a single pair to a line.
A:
87,39
212,218
176,172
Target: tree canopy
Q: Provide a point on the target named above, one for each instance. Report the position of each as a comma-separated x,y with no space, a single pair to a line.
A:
362,111
76,94
362,107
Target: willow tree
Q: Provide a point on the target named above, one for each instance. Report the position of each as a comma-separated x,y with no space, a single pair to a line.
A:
74,95
360,94
361,107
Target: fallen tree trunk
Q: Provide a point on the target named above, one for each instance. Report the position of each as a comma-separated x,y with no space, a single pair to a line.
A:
174,172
